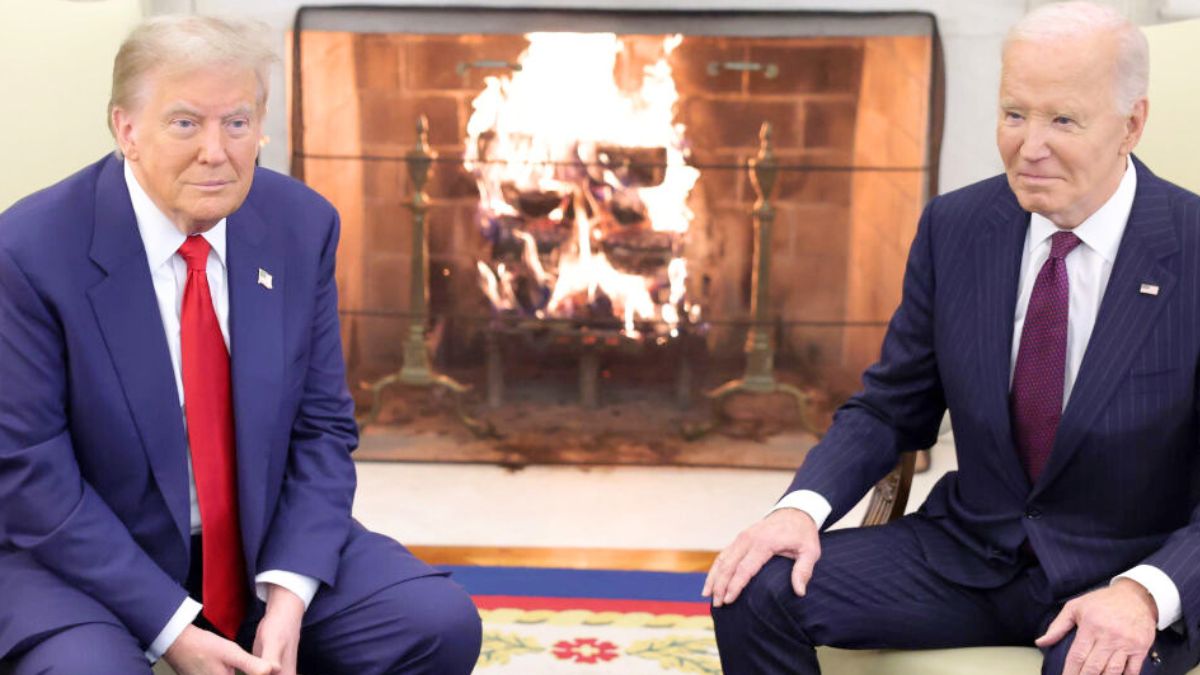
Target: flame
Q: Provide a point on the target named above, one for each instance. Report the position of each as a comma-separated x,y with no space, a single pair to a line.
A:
581,271
498,293
532,129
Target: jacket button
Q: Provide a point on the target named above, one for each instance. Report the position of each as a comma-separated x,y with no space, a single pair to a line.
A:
1033,513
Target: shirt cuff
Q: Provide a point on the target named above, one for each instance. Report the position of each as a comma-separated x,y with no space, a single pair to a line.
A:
183,617
302,586
1162,589
816,506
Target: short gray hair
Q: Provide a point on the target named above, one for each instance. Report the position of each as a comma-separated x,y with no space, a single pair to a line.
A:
1076,19
184,42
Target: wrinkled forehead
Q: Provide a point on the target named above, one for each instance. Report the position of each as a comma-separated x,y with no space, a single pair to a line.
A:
209,84
1077,67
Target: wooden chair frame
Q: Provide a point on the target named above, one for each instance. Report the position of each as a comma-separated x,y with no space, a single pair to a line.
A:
890,496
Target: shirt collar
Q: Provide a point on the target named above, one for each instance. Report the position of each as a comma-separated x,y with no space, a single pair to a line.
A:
1102,230
159,235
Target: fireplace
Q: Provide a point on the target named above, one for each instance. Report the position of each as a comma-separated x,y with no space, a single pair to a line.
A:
590,208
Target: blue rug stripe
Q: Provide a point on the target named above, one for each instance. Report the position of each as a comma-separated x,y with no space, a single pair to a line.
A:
568,583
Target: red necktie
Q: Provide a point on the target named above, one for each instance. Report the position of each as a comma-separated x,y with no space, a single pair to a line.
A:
1037,389
208,405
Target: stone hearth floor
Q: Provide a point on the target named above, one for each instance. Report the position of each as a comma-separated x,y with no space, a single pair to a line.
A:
599,507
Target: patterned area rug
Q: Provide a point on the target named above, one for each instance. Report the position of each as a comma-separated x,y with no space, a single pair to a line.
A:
561,621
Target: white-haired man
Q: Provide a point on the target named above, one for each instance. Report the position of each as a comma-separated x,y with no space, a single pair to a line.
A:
1055,311
175,429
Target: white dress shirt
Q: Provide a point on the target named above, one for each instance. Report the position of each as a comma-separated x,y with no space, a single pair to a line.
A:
1088,269
168,271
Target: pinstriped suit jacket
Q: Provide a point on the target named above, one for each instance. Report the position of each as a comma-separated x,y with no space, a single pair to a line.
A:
1121,485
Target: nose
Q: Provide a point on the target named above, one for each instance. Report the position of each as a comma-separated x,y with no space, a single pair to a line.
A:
1035,145
212,145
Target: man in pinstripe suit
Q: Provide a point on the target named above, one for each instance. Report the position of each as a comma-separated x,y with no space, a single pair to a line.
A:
1055,311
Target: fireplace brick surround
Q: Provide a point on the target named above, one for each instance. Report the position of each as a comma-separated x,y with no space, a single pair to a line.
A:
855,120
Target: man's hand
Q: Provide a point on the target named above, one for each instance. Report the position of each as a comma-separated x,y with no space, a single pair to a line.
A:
199,652
278,637
1114,626
787,532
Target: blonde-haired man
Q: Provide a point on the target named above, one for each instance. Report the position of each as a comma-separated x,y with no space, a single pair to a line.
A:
175,429
1055,311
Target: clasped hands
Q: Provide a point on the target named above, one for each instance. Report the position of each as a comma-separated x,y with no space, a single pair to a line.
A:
1114,626
276,644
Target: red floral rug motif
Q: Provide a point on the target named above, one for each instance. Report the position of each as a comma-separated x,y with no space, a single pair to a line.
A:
585,650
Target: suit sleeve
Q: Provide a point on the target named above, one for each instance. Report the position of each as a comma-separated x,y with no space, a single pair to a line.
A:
1179,559
312,517
46,507
901,404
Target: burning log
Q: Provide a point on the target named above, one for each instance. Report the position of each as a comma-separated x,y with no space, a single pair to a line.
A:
639,251
630,166
536,203
532,203
627,208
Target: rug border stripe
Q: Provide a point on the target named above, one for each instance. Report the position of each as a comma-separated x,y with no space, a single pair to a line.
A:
568,583
489,602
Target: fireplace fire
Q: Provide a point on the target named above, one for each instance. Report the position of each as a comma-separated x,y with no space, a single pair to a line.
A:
590,208
583,187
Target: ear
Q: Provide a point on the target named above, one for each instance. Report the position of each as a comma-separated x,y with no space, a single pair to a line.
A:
1135,124
261,120
122,124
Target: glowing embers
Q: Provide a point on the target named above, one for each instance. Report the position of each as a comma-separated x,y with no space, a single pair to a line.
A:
584,186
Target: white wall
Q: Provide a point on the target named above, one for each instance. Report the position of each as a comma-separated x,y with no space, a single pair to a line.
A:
55,72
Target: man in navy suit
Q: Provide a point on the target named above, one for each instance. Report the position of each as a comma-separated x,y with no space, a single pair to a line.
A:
1055,312
175,428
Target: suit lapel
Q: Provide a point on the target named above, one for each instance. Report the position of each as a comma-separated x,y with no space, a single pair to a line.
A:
1125,319
127,313
256,352
998,262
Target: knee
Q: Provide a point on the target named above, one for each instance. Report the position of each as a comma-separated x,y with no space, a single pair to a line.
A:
457,632
1054,657
94,648
450,633
768,601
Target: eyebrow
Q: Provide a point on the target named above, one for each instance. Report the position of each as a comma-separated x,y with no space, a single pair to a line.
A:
182,109
240,111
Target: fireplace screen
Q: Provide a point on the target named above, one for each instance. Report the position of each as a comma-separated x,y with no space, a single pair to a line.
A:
590,211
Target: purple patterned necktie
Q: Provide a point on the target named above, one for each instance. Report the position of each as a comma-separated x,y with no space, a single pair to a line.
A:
1037,388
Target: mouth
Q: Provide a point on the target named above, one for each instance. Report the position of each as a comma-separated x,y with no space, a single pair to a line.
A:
1035,179
210,185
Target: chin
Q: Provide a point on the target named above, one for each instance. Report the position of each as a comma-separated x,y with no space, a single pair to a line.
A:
1031,204
212,211
1035,203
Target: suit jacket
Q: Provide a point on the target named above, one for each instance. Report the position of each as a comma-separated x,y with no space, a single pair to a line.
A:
1120,487
94,506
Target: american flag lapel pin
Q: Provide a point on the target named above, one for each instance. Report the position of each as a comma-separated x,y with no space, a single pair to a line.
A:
1146,289
264,280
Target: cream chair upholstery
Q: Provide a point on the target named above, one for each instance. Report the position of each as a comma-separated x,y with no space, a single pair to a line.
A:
974,660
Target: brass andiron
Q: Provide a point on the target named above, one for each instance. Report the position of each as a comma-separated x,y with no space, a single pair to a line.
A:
416,370
760,353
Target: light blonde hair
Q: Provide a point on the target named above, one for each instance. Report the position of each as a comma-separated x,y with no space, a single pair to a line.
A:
1065,20
188,42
